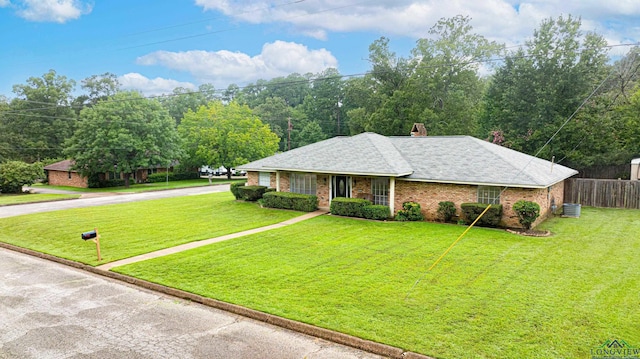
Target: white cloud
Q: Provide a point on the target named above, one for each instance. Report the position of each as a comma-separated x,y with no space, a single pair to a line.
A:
59,11
508,21
4,3
225,67
151,87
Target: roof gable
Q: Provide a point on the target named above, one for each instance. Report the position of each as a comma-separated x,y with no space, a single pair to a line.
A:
64,166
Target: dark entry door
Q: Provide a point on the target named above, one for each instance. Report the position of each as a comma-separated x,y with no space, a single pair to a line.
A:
341,186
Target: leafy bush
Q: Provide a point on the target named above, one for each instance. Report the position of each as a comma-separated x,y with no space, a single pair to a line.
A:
287,200
376,211
350,207
251,193
492,218
410,212
527,212
15,174
446,211
235,189
173,176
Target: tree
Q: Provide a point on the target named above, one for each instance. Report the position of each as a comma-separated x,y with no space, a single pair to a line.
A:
226,135
40,118
311,133
539,87
125,132
182,100
439,85
324,103
15,174
276,113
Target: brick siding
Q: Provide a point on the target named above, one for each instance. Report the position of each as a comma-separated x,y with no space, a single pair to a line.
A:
428,195
61,178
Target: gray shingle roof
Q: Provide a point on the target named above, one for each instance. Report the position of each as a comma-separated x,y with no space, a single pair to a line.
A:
445,159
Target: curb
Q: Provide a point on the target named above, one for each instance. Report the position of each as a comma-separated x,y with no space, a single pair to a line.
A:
308,329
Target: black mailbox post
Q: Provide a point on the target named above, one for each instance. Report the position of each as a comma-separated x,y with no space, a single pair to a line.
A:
94,237
89,235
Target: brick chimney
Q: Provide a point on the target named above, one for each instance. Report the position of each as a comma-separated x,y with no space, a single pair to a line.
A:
418,129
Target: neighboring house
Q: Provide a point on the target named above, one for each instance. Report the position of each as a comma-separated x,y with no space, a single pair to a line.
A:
424,169
61,174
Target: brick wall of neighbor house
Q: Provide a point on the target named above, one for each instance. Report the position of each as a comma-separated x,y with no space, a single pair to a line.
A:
61,178
428,195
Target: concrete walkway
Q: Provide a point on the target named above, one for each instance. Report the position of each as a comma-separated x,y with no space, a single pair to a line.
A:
191,245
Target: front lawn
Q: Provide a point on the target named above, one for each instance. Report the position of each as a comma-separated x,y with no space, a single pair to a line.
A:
10,199
145,187
495,295
135,228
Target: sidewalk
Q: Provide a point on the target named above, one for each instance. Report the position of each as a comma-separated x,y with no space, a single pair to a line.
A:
191,245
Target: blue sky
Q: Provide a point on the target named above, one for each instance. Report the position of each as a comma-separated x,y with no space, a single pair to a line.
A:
154,46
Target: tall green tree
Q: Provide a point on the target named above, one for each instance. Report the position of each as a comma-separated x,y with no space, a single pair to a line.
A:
277,114
123,133
324,103
182,100
445,84
540,86
40,117
226,135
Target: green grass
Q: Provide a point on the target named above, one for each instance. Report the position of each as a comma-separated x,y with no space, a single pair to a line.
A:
495,295
10,199
138,227
144,187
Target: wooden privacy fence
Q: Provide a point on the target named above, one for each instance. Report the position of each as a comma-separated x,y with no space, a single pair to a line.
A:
602,192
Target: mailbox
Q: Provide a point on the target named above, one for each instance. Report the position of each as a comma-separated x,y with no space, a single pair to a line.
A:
89,235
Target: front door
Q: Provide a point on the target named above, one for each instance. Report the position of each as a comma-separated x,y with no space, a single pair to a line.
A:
340,186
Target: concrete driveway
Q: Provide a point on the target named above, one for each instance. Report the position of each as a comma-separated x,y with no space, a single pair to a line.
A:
115,198
48,310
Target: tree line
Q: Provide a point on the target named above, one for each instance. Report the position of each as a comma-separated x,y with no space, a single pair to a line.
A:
561,78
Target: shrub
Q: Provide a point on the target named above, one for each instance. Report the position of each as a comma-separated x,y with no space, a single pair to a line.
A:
350,207
286,200
376,211
527,212
94,181
492,218
173,176
410,212
15,174
446,211
251,193
235,189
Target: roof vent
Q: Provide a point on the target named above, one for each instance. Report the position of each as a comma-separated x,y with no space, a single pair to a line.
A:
418,129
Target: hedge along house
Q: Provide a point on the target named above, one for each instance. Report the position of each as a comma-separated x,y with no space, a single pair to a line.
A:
420,168
62,174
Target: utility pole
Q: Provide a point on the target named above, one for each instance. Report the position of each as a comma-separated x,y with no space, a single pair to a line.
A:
339,104
289,128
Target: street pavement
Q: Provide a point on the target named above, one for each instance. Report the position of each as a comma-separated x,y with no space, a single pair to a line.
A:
113,198
48,310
